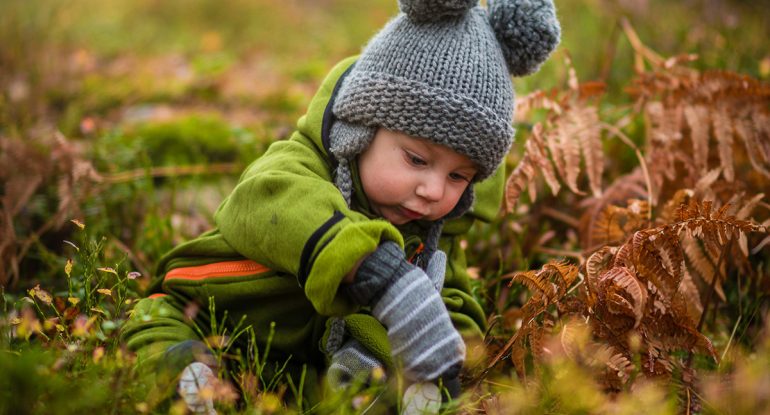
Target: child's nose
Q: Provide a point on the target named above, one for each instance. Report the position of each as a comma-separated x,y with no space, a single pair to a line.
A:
431,188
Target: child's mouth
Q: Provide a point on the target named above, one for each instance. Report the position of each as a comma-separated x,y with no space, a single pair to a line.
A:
411,214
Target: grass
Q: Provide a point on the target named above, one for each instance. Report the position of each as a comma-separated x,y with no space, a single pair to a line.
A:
168,101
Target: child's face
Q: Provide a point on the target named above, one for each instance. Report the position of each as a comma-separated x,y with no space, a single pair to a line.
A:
407,178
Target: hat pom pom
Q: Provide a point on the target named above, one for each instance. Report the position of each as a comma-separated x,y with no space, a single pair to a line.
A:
528,31
433,10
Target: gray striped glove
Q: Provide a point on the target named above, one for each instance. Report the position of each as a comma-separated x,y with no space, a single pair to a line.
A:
403,298
352,363
436,269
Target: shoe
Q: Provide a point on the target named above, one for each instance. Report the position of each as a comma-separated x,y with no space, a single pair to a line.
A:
195,378
422,398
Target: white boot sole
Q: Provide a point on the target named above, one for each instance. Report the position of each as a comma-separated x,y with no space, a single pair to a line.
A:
196,377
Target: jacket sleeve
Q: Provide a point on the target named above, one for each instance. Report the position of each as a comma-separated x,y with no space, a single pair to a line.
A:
154,325
287,214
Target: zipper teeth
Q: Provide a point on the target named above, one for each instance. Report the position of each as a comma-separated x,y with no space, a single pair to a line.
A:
221,268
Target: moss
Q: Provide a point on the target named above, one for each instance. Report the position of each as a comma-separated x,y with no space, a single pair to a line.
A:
187,140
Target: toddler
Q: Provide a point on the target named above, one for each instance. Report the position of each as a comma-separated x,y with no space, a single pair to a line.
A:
343,241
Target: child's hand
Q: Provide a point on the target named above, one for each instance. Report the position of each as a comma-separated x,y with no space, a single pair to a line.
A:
353,363
405,300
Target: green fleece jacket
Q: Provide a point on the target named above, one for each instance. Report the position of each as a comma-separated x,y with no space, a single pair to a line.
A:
286,216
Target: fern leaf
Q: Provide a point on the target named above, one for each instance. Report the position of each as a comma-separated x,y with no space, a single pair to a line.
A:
536,281
670,251
552,140
635,299
702,265
707,180
745,129
565,137
622,367
648,263
665,123
566,272
541,160
522,175
626,187
519,350
597,263
525,172
589,134
689,292
607,228
537,343
723,132
624,256
698,122
762,127
749,206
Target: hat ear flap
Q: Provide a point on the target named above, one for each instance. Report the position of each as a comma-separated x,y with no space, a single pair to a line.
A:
528,31
434,10
347,140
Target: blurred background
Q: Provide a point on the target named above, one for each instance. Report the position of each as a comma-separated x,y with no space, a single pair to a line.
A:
124,123
158,105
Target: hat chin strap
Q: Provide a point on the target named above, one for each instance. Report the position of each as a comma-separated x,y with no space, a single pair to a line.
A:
434,232
343,179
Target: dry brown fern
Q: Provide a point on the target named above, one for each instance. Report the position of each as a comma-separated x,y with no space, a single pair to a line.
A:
27,168
686,112
639,298
689,112
572,128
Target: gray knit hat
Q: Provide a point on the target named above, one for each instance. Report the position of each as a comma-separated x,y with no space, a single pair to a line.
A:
440,70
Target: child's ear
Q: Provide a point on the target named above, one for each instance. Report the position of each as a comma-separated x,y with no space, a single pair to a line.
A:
528,31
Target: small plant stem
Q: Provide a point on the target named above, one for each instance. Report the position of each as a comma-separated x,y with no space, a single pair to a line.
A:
641,50
140,265
717,276
558,252
730,342
555,214
642,163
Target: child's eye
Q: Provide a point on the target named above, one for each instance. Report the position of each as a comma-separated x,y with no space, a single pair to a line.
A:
415,159
459,177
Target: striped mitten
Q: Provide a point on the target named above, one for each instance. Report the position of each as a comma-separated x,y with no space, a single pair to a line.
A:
351,363
436,269
403,298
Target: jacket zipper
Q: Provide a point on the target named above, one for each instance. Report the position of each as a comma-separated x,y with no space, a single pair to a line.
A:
217,269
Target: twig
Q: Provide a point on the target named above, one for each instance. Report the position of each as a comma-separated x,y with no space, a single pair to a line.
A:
642,163
172,171
641,50
553,213
559,252
717,276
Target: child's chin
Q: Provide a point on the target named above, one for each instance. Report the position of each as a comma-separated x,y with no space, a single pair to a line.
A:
397,220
